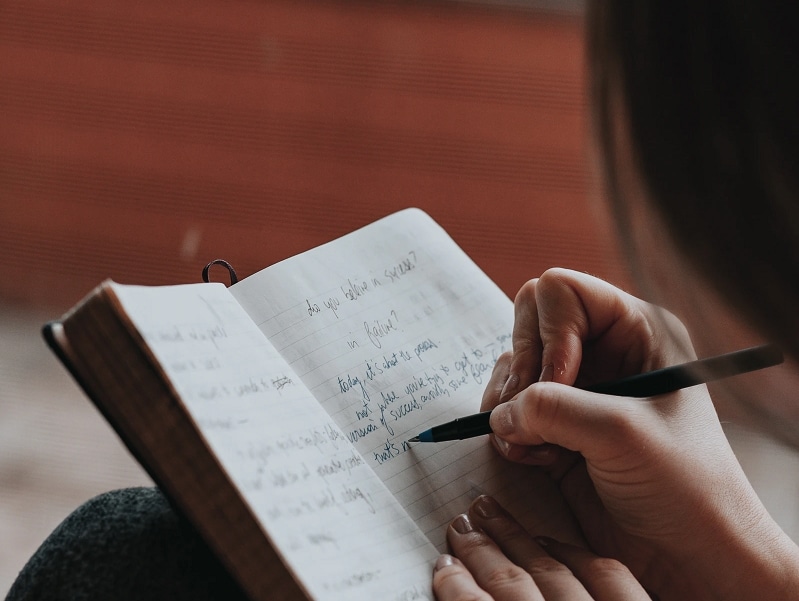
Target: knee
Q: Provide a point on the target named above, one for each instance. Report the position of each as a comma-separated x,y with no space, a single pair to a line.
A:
125,544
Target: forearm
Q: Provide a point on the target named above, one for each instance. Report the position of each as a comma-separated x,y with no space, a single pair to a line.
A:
763,565
744,556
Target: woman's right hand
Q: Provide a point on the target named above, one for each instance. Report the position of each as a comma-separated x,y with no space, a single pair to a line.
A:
652,482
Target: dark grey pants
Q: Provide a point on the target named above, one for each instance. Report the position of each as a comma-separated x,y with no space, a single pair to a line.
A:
124,545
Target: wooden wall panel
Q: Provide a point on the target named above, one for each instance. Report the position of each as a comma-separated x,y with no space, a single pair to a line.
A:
140,140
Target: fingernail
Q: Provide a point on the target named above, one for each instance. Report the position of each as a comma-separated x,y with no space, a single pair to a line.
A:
547,373
444,561
501,420
462,525
509,389
544,541
503,445
486,507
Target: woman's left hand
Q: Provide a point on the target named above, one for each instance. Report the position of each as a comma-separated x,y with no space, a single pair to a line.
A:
496,559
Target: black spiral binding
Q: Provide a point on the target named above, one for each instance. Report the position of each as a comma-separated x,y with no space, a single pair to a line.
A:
231,272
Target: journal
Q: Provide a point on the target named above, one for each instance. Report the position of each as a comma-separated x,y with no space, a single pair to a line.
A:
275,413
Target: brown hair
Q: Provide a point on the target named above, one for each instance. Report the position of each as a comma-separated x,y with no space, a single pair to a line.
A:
710,94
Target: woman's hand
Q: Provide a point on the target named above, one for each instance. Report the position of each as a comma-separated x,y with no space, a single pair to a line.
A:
652,482
497,559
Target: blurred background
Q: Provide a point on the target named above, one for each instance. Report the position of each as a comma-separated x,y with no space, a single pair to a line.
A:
138,141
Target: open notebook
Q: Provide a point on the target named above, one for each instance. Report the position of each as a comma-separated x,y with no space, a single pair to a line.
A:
275,412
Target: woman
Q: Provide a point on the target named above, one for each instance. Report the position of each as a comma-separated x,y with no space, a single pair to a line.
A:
694,111
695,114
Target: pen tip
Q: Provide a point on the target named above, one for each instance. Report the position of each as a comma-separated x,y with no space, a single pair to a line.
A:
414,439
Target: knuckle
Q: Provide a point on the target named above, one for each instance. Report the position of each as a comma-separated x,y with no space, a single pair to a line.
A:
607,567
507,577
627,423
604,570
675,327
510,531
473,544
523,346
546,407
664,326
542,407
451,581
546,567
555,282
505,357
504,360
527,414
622,423
527,292
552,276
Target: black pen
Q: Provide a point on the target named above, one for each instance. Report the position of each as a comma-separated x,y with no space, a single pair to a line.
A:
643,385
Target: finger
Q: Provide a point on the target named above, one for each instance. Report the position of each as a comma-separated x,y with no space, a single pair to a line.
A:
556,314
574,308
553,579
580,493
496,382
452,581
628,334
581,421
526,364
539,455
605,579
491,569
544,455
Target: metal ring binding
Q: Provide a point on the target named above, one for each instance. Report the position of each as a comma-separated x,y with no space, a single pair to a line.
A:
231,272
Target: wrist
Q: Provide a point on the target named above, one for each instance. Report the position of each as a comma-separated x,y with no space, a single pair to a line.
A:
752,559
765,566
732,550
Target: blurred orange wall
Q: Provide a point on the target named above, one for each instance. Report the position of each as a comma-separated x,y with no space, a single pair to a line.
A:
139,140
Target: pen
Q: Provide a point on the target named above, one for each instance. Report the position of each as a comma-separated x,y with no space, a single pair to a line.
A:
643,385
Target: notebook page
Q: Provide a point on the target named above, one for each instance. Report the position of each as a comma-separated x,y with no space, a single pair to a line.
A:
394,329
331,518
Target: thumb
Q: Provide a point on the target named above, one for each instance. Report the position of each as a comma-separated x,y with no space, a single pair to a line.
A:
575,308
588,423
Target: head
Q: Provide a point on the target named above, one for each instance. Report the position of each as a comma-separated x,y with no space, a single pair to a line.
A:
696,113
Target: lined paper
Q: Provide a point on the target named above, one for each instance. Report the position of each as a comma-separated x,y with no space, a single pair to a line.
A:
394,330
319,500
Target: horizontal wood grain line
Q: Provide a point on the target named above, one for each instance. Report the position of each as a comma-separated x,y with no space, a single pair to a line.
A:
497,83
344,61
310,136
112,240
98,184
104,185
64,254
